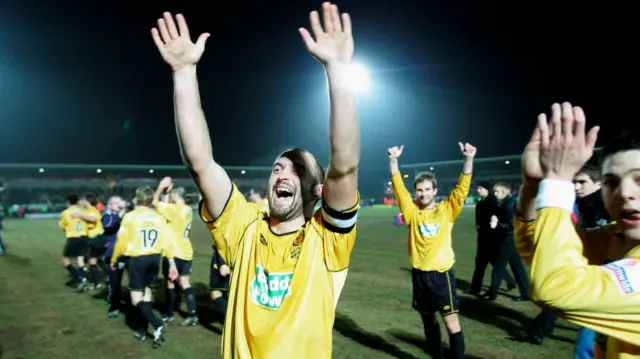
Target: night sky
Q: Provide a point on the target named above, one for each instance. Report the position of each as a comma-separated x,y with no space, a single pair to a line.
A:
82,82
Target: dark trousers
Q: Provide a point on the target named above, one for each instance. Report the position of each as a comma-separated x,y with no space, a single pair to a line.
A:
542,324
115,288
485,255
506,254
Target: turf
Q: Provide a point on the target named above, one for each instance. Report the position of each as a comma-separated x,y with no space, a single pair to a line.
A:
42,318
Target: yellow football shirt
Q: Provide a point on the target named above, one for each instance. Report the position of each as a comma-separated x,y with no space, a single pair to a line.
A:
94,229
589,277
73,227
144,231
430,247
284,288
179,217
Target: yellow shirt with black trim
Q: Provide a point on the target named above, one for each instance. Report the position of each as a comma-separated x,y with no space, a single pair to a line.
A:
94,229
589,277
73,227
144,232
430,245
179,217
284,288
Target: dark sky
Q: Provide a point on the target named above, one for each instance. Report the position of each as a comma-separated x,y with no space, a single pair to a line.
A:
81,81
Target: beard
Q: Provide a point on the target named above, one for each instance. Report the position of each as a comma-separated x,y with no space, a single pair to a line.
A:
286,213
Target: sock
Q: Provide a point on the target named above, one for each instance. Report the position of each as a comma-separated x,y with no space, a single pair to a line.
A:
190,295
143,323
81,274
456,342
170,301
221,304
147,312
95,274
73,271
434,337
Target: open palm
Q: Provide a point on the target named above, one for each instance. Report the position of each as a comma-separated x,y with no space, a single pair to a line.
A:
334,42
174,42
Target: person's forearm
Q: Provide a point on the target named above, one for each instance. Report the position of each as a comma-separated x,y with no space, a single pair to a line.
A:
526,208
343,123
191,126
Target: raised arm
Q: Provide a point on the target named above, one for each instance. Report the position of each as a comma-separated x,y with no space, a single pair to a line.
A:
332,45
457,197
402,195
177,50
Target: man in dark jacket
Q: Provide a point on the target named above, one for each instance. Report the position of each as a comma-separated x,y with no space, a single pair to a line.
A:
502,222
486,248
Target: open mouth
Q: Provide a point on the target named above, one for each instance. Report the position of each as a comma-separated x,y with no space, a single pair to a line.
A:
282,195
630,217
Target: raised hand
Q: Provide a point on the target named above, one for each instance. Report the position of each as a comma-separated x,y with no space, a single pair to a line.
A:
174,43
531,170
564,145
165,183
467,150
395,152
334,42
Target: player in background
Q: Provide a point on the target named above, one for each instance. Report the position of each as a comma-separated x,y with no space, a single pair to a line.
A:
111,219
264,250
179,215
144,237
75,230
501,222
97,244
486,243
430,249
589,277
219,276
256,197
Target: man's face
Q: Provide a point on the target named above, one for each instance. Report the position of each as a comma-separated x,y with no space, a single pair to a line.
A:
285,198
82,202
115,204
500,192
425,193
621,191
585,185
482,192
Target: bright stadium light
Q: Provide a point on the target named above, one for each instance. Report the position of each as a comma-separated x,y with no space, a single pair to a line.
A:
359,79
41,170
506,162
98,171
243,171
151,171
430,168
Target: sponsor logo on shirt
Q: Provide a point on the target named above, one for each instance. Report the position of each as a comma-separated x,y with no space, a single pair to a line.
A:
268,290
429,230
626,273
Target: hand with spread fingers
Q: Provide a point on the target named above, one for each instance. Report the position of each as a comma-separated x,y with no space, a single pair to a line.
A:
565,146
333,42
174,42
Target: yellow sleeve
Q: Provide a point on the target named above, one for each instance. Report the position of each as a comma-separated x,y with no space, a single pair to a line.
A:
523,236
64,219
403,197
604,298
165,209
122,241
338,232
231,224
169,245
456,198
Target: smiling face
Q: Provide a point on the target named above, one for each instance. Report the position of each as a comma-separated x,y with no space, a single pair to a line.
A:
285,198
621,190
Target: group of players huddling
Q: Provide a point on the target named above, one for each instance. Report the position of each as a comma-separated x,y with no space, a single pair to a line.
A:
289,263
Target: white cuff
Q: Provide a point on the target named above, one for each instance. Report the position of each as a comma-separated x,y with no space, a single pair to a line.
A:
557,194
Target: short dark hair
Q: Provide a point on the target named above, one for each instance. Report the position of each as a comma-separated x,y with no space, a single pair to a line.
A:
311,174
91,198
73,199
591,170
426,176
625,141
